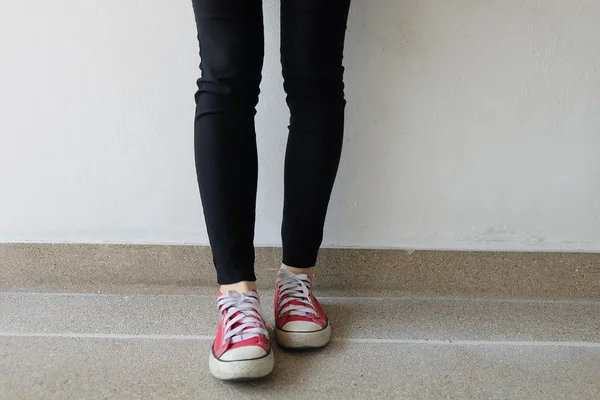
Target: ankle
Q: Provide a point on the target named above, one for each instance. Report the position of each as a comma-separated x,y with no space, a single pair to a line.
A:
294,270
240,287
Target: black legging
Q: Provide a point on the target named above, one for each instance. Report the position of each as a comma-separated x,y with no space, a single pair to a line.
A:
231,39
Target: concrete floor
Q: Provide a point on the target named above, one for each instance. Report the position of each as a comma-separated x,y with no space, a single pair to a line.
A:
144,346
136,322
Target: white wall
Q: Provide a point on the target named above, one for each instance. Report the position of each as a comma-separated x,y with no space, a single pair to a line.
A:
471,124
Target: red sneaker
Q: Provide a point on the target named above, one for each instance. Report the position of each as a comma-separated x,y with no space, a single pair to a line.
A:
241,349
300,320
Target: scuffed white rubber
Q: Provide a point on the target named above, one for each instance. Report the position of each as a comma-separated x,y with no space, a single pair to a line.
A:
241,370
244,353
301,326
303,340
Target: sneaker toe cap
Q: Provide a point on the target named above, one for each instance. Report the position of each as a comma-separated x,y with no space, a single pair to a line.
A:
244,353
301,326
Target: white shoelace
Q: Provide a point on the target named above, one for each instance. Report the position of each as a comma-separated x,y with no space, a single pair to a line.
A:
249,316
295,287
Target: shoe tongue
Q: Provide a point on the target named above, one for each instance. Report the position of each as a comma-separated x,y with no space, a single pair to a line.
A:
295,315
295,302
296,295
252,341
238,313
238,323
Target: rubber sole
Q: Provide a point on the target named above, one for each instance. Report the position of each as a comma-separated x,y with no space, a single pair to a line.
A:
241,370
303,340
